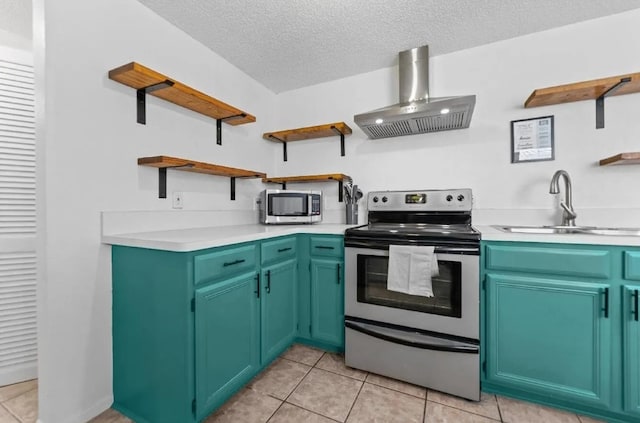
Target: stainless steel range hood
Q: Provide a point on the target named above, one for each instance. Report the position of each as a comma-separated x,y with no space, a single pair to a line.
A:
416,113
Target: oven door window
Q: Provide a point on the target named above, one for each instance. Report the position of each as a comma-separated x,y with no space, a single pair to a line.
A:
446,300
288,205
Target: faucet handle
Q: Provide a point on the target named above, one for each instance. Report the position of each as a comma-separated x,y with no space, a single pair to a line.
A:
572,214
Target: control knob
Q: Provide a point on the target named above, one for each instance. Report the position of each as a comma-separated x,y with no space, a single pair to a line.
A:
460,197
449,197
375,199
384,199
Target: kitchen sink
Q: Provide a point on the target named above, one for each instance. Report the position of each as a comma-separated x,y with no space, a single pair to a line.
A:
586,230
613,231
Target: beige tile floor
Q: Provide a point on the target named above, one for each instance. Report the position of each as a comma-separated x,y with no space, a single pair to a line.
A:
309,385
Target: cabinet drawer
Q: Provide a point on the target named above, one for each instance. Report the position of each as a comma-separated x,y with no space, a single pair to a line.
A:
325,246
222,263
279,249
632,265
549,260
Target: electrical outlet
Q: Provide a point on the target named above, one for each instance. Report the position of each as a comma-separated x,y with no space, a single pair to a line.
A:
177,200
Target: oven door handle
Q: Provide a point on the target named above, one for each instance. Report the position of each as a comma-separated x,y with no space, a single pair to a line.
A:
413,339
384,246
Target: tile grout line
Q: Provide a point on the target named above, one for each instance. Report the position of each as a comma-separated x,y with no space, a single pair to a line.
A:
298,362
395,390
470,412
280,357
341,374
424,409
18,419
467,411
296,387
354,401
498,405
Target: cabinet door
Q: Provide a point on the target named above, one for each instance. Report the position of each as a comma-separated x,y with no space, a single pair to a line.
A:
226,339
550,337
279,308
631,365
327,301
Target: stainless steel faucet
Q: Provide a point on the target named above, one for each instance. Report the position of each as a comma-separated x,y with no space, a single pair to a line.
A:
568,214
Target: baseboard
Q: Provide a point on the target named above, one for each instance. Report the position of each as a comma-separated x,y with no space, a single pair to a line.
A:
87,414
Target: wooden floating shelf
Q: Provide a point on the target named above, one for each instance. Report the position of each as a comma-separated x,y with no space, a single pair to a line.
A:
309,132
165,162
596,89
148,81
622,158
339,177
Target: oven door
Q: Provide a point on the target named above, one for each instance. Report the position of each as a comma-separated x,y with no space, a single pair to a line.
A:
453,310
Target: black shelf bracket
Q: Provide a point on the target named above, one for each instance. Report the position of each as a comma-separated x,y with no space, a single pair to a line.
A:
341,140
162,179
219,125
141,94
284,146
340,189
600,102
284,185
233,188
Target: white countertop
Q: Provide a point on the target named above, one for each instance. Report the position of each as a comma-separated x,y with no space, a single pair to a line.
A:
193,239
490,233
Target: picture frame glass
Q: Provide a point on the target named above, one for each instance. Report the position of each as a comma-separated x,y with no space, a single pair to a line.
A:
532,140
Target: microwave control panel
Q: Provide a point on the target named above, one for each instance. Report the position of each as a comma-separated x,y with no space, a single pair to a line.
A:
315,204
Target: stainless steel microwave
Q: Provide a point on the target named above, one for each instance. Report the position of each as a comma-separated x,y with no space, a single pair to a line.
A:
290,207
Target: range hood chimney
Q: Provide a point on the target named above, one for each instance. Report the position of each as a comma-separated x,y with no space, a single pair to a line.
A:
416,113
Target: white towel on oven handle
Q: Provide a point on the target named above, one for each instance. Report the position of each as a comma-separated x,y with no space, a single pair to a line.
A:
411,269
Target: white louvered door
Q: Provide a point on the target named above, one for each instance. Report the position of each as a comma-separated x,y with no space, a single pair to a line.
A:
18,340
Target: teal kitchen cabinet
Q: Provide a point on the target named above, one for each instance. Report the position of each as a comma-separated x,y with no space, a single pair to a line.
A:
153,335
279,312
631,341
631,333
227,338
558,326
321,295
191,328
327,301
549,336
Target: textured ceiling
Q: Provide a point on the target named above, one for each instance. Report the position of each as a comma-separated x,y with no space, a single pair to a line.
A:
288,44
15,17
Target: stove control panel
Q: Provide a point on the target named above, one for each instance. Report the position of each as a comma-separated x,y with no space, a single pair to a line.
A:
421,200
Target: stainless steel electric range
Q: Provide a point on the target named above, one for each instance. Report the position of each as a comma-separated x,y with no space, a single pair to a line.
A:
428,341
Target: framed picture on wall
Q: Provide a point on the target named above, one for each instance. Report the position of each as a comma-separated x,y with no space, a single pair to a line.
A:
532,139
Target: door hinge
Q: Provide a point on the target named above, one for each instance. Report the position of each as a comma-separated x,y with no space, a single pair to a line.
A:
193,407
484,367
193,304
484,283
309,267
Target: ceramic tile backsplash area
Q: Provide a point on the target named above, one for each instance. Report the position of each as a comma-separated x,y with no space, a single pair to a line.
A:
308,385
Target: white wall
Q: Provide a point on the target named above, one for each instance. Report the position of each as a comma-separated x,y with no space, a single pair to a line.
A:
91,142
502,75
